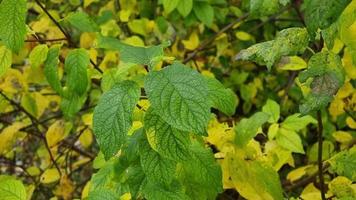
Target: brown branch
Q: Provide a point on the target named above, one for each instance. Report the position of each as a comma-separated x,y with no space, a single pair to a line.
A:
36,123
68,37
46,40
288,186
320,156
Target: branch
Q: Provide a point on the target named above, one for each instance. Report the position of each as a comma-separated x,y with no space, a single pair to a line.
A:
68,37
320,156
36,123
210,40
46,40
288,186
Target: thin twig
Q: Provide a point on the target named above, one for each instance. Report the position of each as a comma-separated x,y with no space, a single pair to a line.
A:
69,39
320,156
46,40
203,45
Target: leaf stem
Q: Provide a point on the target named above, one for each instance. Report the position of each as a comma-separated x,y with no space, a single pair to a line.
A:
320,156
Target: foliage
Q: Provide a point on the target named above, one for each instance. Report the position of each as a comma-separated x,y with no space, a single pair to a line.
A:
171,99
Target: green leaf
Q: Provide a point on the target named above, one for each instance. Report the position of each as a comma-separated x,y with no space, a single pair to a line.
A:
247,128
71,103
82,22
165,139
105,182
11,189
180,96
223,99
102,194
113,116
184,7
13,23
288,42
347,28
202,169
272,108
296,122
38,55
204,12
76,68
153,191
261,8
254,179
344,163
5,60
157,168
135,179
328,76
170,5
290,140
322,13
132,54
50,68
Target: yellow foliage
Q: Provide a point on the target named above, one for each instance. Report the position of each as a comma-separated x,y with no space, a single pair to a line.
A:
49,176
193,41
65,188
9,135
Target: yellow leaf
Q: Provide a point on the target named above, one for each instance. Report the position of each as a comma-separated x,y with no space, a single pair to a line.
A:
298,173
219,134
193,41
29,191
349,67
49,176
311,193
87,40
88,2
55,133
124,15
345,91
8,137
351,123
126,196
65,188
110,28
241,35
13,82
33,171
85,191
87,119
134,41
342,137
86,139
336,107
293,63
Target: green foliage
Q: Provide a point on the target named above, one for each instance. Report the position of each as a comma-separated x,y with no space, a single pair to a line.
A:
5,60
11,189
82,22
344,164
223,99
247,128
113,116
168,141
12,23
321,14
75,67
180,96
326,70
140,99
291,41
